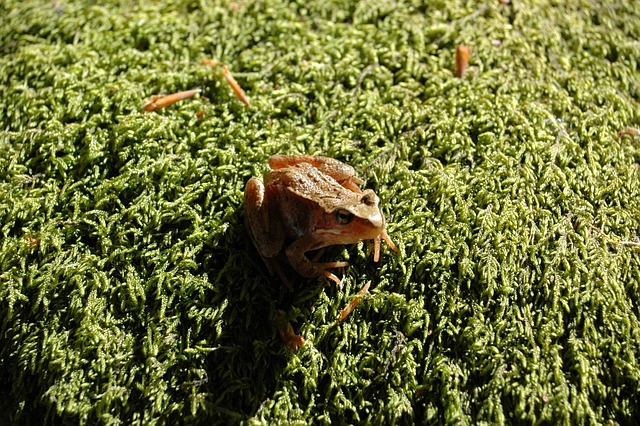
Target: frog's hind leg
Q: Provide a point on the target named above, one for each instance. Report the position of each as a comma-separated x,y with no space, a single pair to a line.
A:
267,238
275,268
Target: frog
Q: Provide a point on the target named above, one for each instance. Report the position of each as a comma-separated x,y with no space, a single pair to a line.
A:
306,203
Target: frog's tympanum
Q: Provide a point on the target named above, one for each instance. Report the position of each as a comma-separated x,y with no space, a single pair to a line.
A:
306,203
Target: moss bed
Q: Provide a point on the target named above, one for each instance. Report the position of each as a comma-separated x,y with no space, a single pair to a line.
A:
129,290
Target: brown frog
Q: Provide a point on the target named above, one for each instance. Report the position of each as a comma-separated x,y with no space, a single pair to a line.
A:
306,203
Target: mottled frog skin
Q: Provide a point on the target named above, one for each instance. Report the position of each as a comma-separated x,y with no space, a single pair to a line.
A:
306,203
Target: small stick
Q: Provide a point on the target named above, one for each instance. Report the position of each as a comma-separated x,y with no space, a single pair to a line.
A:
344,313
287,335
462,60
237,90
628,131
387,239
474,15
34,242
157,102
614,241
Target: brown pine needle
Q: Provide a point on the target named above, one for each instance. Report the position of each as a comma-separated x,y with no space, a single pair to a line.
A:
614,241
346,311
462,60
287,334
628,131
237,90
157,102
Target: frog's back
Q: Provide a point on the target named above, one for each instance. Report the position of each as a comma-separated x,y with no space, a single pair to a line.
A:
309,183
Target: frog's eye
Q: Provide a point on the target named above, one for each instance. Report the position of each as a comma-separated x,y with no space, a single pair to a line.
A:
343,217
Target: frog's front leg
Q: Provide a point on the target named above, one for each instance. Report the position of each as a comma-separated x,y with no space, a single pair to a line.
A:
343,173
305,267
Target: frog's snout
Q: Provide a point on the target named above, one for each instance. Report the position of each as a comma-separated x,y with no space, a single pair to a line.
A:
369,198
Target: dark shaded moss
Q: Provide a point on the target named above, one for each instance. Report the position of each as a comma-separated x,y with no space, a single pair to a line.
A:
129,292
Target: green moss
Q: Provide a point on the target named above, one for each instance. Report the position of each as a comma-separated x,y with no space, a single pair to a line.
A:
129,292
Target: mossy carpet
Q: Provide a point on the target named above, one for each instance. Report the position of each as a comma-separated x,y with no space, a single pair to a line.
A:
130,292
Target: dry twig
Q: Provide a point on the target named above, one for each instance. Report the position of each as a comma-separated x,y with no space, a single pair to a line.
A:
346,311
157,102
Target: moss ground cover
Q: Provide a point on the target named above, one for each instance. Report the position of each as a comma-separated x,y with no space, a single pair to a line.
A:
129,293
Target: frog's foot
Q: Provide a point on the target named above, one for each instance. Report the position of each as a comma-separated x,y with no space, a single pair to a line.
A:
327,265
352,184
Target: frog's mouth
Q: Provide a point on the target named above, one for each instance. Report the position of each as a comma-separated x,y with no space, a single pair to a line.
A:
356,230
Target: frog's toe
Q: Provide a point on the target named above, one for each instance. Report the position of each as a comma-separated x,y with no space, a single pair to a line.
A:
333,278
327,265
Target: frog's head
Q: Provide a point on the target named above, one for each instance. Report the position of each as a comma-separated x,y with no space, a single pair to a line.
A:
351,220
